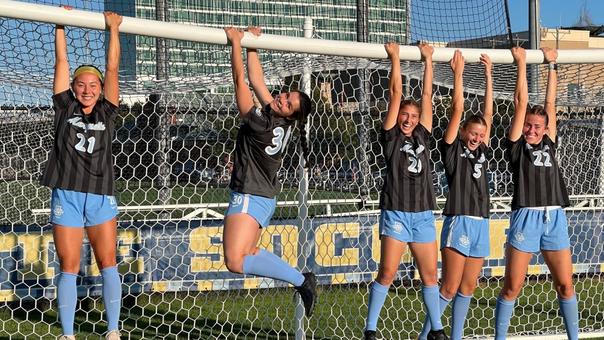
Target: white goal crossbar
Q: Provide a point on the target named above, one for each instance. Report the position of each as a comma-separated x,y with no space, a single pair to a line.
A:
95,20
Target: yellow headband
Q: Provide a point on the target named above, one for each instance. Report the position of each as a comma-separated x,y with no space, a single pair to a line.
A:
88,69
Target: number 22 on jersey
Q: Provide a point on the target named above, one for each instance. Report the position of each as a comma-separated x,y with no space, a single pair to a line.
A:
542,158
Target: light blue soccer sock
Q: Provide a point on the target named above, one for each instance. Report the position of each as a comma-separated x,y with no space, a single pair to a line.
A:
460,311
503,314
377,296
444,302
67,295
267,264
430,295
112,296
570,314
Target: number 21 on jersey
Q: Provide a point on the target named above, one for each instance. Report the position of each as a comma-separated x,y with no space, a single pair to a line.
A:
85,144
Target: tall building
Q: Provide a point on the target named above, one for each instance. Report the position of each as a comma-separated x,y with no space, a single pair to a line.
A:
332,19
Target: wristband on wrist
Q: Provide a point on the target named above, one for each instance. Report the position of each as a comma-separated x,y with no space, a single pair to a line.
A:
553,66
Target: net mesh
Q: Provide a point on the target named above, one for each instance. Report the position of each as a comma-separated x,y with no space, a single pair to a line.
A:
483,25
173,146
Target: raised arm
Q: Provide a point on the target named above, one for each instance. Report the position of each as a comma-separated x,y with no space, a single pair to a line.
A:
243,95
255,73
426,117
550,56
457,66
111,86
487,109
395,85
61,79
520,94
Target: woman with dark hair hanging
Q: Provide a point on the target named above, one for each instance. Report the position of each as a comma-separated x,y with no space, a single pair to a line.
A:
80,173
407,198
464,239
261,141
538,222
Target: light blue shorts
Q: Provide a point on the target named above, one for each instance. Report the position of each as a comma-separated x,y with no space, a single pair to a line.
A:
80,209
408,226
260,208
468,235
532,229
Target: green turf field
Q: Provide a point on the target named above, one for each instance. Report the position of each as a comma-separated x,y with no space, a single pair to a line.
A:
268,314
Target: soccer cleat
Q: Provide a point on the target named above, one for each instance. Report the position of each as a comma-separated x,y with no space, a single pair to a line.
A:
113,335
438,335
308,292
67,337
370,335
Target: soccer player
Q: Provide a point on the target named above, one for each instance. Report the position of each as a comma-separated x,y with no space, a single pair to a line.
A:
80,173
465,234
537,221
407,197
261,141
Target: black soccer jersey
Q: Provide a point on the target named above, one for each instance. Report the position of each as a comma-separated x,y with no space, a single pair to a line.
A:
537,178
408,183
467,179
81,159
261,140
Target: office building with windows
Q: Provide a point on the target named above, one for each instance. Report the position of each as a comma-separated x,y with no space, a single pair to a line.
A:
332,19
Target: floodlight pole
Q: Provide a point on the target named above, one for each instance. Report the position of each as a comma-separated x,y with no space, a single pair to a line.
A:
600,112
535,43
362,116
306,245
407,41
163,132
161,51
508,24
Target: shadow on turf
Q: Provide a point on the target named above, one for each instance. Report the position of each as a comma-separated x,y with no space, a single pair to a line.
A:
137,322
198,328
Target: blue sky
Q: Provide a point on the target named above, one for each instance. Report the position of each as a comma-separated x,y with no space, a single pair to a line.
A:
555,13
